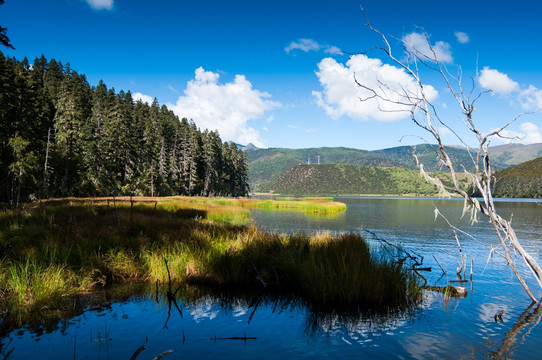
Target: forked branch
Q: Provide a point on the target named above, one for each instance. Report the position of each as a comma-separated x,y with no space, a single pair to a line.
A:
424,115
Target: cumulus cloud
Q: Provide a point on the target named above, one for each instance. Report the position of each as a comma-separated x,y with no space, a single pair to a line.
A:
528,133
307,45
531,98
100,4
341,95
500,83
461,37
417,43
143,98
497,81
224,107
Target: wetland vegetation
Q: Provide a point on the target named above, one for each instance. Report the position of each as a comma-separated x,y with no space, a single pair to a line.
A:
55,248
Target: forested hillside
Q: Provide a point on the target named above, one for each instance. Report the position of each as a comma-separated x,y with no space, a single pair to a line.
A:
62,137
265,165
344,179
522,181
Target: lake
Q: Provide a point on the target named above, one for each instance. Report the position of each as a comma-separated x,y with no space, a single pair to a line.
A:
213,324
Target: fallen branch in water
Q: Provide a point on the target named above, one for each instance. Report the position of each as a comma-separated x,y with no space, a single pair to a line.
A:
170,296
448,290
163,354
138,351
244,338
441,268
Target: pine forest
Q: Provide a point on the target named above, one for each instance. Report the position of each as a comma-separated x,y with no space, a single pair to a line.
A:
61,137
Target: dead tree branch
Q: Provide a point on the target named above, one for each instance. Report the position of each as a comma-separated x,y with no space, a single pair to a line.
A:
424,115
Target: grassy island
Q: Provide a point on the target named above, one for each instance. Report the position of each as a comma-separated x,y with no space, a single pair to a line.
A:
68,246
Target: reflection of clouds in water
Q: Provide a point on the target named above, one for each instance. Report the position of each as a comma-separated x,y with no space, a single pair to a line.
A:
208,307
240,310
486,318
204,308
426,346
363,331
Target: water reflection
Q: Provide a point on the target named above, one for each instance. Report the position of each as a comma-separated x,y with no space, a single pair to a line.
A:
518,333
113,328
237,324
266,325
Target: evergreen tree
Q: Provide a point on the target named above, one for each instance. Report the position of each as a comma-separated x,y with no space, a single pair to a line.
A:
59,137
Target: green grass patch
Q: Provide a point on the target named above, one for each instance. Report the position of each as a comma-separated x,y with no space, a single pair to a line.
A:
315,205
68,246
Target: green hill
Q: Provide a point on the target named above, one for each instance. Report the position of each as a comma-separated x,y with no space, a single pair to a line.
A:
514,154
523,180
265,165
345,179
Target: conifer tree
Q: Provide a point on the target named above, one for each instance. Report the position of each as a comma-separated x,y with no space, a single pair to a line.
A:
59,137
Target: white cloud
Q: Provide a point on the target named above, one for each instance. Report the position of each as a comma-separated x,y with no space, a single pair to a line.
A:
100,4
341,95
531,98
333,50
292,126
529,133
462,37
497,81
171,88
224,107
143,98
308,131
418,44
265,128
307,45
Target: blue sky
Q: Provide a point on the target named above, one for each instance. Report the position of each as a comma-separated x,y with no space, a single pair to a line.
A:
272,72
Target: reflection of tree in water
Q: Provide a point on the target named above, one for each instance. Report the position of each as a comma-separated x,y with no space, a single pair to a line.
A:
519,332
57,315
356,322
5,351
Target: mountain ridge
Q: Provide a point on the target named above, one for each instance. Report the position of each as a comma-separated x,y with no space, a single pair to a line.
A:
265,165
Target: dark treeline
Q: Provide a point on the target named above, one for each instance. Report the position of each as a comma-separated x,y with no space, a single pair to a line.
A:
61,137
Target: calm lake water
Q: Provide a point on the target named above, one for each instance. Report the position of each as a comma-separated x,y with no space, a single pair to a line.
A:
251,326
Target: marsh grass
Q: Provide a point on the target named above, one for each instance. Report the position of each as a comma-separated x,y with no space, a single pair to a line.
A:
322,268
72,245
315,205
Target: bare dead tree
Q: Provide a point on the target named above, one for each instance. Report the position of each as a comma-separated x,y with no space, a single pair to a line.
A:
424,114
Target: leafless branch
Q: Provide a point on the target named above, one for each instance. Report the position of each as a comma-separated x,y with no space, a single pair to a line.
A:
424,115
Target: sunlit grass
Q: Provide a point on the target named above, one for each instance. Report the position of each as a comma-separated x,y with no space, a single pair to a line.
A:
66,246
31,282
317,205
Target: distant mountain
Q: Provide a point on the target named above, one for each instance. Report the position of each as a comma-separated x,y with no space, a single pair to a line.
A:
265,165
514,154
345,179
523,180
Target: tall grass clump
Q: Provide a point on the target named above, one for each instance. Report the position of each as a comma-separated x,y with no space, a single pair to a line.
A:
32,282
322,268
67,246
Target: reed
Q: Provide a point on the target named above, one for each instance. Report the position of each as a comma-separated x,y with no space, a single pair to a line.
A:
32,282
70,245
322,268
